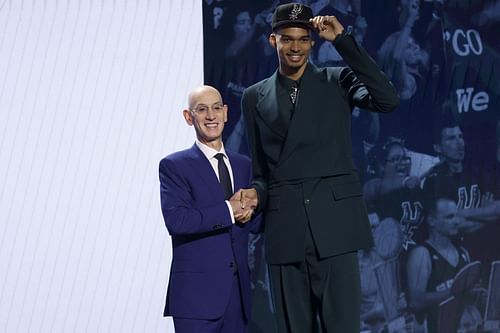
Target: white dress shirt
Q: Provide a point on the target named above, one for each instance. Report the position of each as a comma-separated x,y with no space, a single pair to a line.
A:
210,153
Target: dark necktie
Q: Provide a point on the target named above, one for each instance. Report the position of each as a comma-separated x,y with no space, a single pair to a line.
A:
294,93
224,178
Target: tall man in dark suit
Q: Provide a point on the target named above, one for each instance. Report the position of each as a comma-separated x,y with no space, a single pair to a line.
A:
298,124
209,286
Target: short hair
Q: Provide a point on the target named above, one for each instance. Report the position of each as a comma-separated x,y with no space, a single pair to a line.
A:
444,120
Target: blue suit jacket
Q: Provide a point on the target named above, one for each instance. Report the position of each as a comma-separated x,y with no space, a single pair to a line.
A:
206,245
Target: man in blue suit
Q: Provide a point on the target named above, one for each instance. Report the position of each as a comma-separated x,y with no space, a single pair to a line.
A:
209,286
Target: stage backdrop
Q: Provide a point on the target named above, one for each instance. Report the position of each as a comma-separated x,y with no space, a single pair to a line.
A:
91,95
443,140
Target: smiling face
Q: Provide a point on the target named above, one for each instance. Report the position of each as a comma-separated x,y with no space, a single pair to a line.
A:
293,45
207,114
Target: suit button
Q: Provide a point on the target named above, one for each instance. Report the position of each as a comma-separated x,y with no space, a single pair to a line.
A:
217,226
307,201
231,264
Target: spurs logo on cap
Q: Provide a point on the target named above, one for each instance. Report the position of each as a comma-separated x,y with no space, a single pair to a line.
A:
294,14
297,9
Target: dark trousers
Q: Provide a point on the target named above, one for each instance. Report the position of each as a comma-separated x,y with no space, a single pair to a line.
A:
233,320
327,288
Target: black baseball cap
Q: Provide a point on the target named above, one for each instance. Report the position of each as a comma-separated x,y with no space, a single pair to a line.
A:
292,14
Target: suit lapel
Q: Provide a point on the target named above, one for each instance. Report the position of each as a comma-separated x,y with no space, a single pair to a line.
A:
203,168
310,94
269,110
238,179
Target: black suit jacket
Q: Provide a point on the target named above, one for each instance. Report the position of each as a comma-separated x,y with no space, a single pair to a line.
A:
303,169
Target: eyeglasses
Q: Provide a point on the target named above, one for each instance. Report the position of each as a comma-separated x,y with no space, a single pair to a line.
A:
203,109
399,159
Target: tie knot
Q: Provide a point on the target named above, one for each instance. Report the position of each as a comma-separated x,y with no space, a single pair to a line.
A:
219,156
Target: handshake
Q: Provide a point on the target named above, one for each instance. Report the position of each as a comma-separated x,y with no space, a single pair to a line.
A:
243,204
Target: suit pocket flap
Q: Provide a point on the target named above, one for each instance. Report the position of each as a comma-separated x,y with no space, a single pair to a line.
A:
347,190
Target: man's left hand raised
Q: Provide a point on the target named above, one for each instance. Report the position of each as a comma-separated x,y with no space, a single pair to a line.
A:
327,27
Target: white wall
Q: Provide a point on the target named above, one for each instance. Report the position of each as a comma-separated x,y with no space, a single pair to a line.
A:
91,93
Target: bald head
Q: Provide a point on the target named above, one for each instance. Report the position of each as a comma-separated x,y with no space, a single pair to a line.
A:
200,92
207,114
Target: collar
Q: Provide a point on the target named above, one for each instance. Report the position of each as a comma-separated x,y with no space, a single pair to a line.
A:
209,152
288,83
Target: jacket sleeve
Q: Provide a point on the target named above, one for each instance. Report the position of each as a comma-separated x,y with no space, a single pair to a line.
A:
366,85
255,225
180,214
259,166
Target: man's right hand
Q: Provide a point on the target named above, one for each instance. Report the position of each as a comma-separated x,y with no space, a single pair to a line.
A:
240,215
249,198
244,203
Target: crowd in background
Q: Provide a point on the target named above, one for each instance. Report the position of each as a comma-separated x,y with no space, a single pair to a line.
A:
431,169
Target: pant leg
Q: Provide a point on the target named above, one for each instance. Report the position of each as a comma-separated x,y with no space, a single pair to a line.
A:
291,295
233,320
296,311
335,283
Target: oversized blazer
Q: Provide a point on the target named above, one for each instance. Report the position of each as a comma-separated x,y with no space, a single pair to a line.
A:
302,163
206,247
